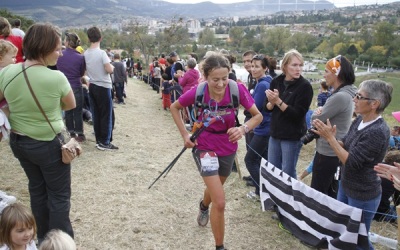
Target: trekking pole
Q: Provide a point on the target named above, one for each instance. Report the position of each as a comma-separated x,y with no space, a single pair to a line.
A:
192,138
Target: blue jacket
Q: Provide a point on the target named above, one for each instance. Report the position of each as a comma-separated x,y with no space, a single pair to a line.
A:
260,100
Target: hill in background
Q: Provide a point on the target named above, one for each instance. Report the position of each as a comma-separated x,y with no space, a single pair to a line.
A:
87,12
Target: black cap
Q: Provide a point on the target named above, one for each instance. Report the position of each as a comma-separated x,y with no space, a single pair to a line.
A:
173,54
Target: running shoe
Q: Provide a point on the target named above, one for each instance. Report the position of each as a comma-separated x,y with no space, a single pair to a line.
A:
203,217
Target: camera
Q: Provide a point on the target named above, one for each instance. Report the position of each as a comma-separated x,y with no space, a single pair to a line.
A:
309,136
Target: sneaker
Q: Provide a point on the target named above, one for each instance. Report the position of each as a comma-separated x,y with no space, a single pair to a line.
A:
7,198
103,147
253,196
203,217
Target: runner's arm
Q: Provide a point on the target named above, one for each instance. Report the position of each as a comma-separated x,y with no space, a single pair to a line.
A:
175,109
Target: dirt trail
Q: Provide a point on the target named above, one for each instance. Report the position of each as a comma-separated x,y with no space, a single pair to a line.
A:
112,207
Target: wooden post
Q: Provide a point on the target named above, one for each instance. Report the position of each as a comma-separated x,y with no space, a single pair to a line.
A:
398,226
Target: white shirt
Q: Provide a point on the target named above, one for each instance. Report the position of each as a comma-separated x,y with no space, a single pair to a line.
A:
30,246
18,32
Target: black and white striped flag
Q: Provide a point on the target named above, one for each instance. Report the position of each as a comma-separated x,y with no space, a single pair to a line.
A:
313,217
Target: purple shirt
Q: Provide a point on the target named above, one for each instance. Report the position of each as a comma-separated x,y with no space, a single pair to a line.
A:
215,138
73,65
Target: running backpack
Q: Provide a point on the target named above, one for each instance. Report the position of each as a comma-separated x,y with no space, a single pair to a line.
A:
200,105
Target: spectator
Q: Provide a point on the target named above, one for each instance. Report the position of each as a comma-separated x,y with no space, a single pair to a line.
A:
6,34
218,141
363,147
72,64
394,142
191,77
247,57
385,211
157,77
324,94
99,68
120,78
32,140
166,95
16,28
58,240
258,146
17,228
339,108
288,123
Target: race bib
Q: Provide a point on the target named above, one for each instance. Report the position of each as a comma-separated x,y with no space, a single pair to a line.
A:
209,161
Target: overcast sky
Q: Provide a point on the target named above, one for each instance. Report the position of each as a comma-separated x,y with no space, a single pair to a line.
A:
338,3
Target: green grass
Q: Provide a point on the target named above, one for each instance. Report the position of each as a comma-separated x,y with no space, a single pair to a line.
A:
394,79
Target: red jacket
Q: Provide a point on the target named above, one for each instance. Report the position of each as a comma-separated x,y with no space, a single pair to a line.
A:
17,41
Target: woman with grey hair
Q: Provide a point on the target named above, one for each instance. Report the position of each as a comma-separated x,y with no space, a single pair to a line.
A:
363,147
191,76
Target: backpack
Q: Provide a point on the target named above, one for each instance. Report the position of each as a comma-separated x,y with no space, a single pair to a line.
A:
200,105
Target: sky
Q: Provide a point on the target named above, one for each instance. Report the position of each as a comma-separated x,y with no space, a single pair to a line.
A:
337,3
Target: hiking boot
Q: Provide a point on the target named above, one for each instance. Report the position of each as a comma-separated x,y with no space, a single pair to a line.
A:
203,217
103,147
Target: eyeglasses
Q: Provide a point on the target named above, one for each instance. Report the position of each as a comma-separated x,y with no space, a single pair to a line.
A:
359,97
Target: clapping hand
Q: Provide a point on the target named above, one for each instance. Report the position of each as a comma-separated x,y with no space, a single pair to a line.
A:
389,172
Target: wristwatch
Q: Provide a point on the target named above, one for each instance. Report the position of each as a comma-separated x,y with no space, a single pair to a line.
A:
280,104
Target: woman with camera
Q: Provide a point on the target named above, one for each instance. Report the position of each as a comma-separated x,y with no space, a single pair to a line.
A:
338,108
363,147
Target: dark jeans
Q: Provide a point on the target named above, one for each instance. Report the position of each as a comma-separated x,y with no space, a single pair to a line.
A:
102,113
119,91
73,117
49,182
258,148
324,169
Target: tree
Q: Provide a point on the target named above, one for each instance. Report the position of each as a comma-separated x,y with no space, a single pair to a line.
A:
236,35
303,42
276,37
377,54
207,37
352,52
340,49
323,47
383,34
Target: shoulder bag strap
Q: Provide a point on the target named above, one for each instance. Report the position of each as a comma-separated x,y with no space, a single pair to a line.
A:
37,102
23,69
